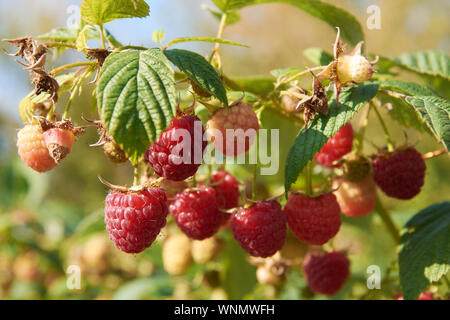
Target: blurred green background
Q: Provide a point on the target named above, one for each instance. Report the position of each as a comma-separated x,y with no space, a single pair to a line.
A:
53,220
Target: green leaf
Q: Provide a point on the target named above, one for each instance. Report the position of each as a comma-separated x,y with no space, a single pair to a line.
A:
232,16
204,39
434,110
103,11
425,249
136,96
285,72
433,62
82,38
323,127
402,112
237,275
199,70
259,85
351,30
318,56
145,288
158,36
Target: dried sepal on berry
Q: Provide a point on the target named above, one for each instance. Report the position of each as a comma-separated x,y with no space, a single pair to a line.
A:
113,151
34,56
59,137
347,68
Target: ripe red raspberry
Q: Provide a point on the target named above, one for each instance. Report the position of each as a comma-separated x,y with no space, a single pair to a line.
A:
355,199
313,220
233,130
196,213
173,157
423,296
59,142
336,147
227,190
260,229
134,219
32,149
399,174
327,273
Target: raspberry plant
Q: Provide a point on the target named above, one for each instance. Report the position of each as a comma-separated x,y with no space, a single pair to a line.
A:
144,95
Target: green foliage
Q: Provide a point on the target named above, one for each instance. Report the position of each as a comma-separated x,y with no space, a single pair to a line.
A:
432,109
158,36
318,56
14,186
145,288
433,62
199,70
425,251
351,30
238,276
321,128
136,97
103,11
232,16
204,39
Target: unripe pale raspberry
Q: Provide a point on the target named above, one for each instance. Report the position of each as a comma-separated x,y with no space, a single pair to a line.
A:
242,124
227,189
176,254
59,142
327,273
355,68
32,149
260,229
399,174
313,220
196,213
204,250
134,219
336,147
355,199
166,154
266,276
114,152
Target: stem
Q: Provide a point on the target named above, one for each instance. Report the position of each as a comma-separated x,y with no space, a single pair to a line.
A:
319,68
130,47
216,50
72,65
383,125
102,36
50,112
386,218
362,131
255,174
59,44
74,92
308,179
136,176
194,180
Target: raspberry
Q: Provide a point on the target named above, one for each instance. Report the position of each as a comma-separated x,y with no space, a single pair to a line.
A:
336,147
167,154
399,174
313,220
59,142
266,275
260,229
176,254
196,213
227,190
326,274
423,296
114,152
353,68
355,199
134,219
32,149
205,250
233,130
